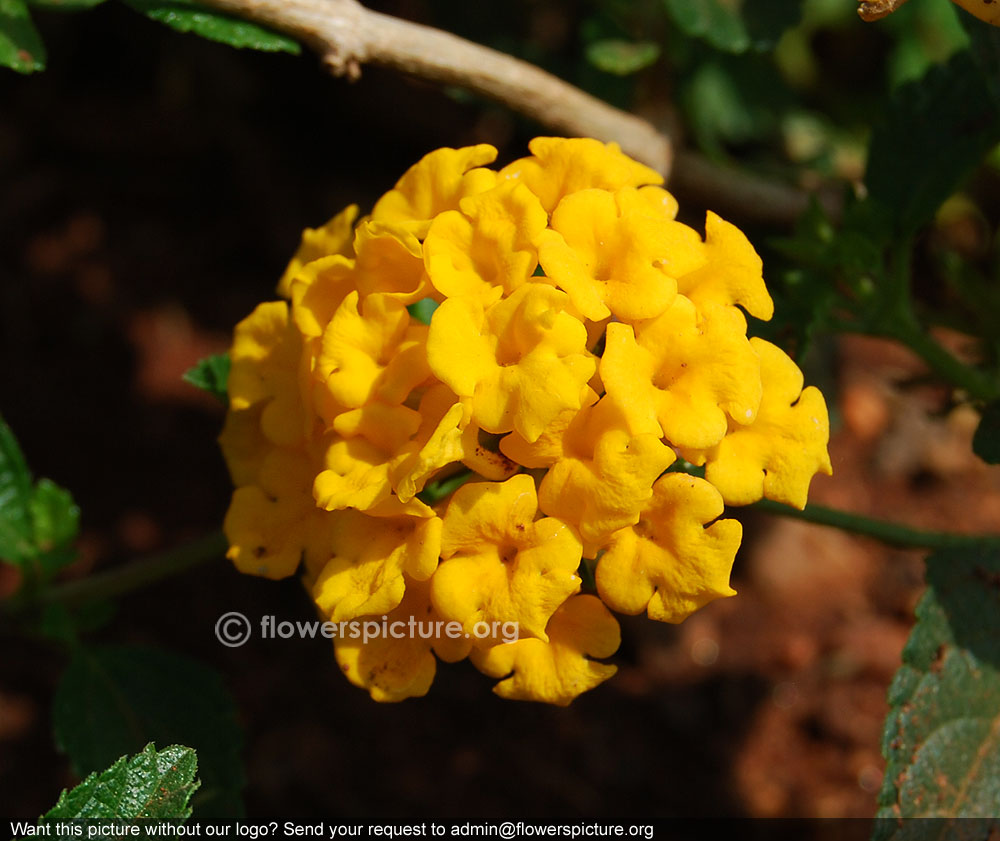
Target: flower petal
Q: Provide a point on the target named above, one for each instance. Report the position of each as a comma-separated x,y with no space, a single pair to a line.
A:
605,475
499,357
393,668
777,455
436,183
731,274
487,249
265,367
557,671
670,564
368,558
683,373
611,263
499,565
334,237
560,166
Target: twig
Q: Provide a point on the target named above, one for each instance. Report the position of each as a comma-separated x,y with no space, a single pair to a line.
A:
347,35
738,194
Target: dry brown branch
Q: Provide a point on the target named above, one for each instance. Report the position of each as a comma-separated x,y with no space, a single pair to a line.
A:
347,35
878,9
737,194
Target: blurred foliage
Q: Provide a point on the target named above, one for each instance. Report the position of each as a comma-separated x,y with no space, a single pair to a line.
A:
212,375
38,521
112,700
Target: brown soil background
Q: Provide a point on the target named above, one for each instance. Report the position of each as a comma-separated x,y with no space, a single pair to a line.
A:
152,187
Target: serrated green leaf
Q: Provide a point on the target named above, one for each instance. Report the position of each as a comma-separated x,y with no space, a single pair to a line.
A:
936,131
186,16
942,736
112,700
986,441
716,21
21,48
15,499
212,375
620,57
150,785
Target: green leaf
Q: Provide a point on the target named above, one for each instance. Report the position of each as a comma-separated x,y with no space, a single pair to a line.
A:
55,517
614,55
984,41
112,699
186,16
936,131
942,735
423,310
767,20
65,624
21,48
986,441
15,500
150,785
715,21
436,491
37,523
66,5
212,375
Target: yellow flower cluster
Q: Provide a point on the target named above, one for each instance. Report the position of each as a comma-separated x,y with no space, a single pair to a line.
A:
473,471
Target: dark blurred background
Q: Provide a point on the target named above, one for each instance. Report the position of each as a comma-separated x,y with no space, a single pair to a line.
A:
152,187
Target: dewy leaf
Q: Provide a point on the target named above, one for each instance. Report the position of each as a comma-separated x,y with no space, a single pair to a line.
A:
715,21
186,16
21,48
112,700
15,499
620,57
150,785
211,374
986,441
936,130
942,735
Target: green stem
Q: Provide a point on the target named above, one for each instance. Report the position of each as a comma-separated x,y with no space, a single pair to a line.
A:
126,578
894,534
952,369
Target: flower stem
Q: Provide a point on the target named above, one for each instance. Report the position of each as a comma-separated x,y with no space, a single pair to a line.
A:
895,534
126,578
952,369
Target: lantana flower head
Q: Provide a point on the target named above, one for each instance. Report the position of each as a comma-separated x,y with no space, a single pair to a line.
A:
465,414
